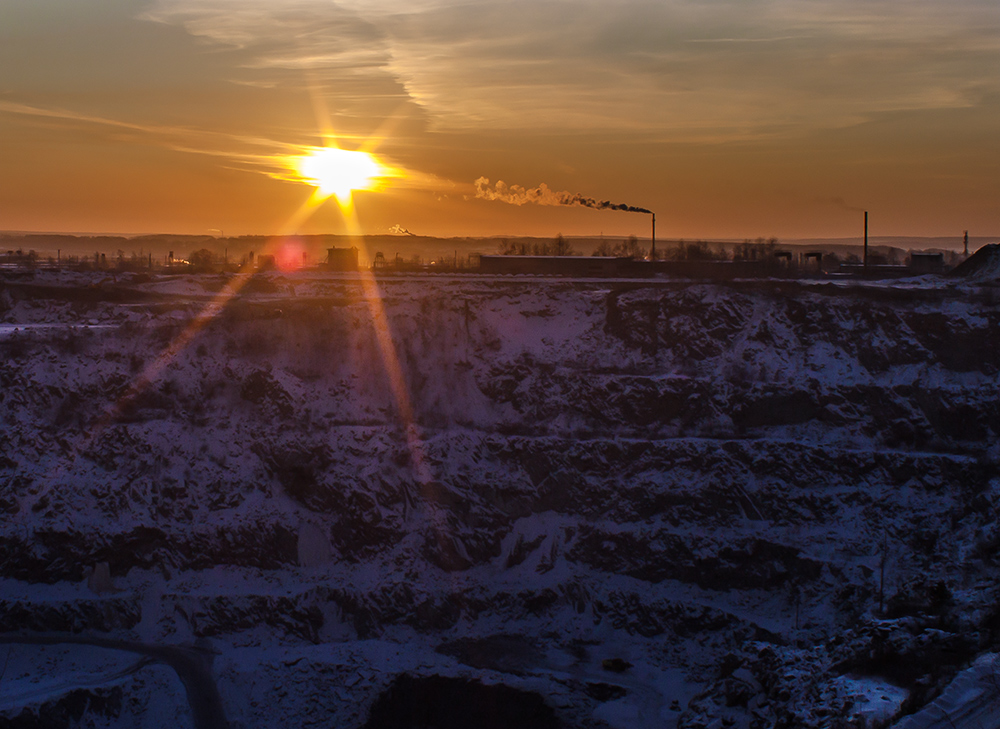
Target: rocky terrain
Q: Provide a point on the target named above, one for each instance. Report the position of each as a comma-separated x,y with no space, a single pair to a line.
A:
592,503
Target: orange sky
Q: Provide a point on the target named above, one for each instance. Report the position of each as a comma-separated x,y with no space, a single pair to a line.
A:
727,118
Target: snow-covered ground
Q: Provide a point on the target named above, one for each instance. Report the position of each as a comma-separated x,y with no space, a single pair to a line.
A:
767,503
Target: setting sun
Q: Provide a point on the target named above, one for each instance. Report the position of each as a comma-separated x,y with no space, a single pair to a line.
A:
338,171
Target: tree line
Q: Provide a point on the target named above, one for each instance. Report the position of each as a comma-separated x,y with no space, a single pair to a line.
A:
749,250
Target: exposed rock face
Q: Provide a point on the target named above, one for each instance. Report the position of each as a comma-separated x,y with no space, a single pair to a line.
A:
692,471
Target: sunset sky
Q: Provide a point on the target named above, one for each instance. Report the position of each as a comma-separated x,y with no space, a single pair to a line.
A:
727,118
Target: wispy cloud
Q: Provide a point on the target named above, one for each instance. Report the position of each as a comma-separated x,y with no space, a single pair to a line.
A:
295,34
254,154
689,69
240,152
774,39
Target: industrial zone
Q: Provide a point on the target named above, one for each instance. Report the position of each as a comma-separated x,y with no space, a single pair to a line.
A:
610,257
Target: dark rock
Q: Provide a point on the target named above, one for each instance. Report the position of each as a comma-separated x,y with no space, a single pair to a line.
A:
615,665
260,388
605,691
300,616
513,654
437,702
70,616
68,710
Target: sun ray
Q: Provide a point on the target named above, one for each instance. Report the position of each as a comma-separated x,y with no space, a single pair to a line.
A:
372,294
373,141
336,173
321,111
153,370
305,211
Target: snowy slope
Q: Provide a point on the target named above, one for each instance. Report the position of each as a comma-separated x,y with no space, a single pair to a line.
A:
337,481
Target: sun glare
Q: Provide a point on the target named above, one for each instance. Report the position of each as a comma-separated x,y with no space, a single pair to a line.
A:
338,171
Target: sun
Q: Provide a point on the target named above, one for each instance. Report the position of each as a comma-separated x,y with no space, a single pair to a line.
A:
338,171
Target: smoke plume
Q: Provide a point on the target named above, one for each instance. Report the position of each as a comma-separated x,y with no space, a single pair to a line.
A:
400,230
542,195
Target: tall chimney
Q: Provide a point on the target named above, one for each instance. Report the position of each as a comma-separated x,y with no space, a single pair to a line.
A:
866,241
652,250
966,239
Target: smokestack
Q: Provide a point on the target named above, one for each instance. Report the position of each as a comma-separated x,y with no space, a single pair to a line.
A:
866,241
652,250
966,240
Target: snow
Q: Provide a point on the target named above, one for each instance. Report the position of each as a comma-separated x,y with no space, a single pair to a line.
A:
972,699
9,330
877,700
683,476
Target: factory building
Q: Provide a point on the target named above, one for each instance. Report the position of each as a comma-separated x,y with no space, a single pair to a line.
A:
342,259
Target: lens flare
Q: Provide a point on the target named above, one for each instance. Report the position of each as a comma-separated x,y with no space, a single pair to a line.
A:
289,255
338,171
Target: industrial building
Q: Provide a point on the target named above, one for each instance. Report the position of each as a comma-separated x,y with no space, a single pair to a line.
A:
342,259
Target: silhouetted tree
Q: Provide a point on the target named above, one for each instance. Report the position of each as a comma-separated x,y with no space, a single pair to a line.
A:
559,247
698,251
507,247
201,259
757,250
605,248
562,247
514,248
630,248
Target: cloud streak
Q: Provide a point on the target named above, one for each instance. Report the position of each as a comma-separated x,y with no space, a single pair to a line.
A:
255,154
244,153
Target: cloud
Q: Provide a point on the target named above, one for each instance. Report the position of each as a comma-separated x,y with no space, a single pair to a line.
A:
682,69
291,34
254,154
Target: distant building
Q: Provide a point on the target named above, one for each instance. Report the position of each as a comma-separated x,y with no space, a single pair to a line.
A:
342,259
927,262
552,265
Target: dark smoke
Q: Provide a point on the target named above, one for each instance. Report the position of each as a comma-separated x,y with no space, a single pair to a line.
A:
400,230
542,195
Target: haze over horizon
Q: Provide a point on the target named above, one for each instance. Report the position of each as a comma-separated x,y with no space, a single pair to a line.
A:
728,120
